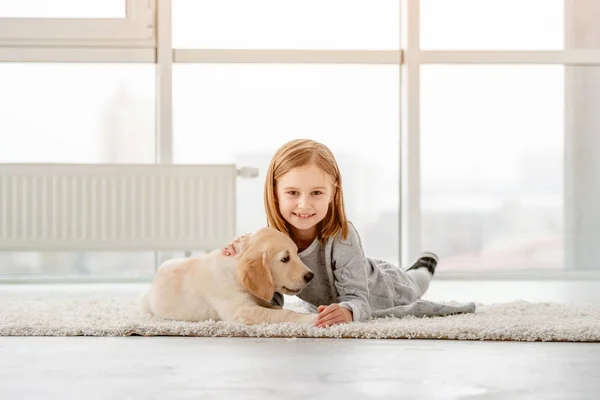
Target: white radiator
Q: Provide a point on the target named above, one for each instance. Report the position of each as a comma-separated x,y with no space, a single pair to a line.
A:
117,207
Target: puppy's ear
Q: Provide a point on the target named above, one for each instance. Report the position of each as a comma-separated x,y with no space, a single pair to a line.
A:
254,272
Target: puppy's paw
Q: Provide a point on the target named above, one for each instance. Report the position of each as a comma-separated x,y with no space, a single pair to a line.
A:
245,319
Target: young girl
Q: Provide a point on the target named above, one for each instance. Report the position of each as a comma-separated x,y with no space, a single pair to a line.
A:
305,200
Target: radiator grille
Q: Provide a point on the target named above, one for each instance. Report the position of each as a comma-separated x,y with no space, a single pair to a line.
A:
116,207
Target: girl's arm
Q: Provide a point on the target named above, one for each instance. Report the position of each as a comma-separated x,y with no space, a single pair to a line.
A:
350,273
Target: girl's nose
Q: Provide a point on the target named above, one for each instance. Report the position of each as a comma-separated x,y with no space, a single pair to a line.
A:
303,202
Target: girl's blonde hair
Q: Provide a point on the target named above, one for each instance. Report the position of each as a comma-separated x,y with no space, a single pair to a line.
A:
299,153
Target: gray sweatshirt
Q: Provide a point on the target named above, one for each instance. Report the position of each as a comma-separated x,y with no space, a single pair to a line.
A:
367,286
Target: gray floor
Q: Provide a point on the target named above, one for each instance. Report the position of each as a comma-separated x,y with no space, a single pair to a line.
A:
246,368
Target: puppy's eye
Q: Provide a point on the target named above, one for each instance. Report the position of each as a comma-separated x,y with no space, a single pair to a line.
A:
285,259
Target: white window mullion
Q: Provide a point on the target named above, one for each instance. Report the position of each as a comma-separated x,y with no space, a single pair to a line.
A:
164,84
142,15
410,167
581,141
77,55
164,91
563,57
288,56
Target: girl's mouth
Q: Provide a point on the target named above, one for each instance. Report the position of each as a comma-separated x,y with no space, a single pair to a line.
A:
303,216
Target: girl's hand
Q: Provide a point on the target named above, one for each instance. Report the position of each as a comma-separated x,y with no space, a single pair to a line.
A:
229,250
235,246
332,314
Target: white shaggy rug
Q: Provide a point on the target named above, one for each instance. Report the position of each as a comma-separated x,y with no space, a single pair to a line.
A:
515,321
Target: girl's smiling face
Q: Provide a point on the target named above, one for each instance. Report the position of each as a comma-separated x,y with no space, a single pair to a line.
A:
303,196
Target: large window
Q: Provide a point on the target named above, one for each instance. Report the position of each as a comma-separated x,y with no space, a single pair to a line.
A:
463,127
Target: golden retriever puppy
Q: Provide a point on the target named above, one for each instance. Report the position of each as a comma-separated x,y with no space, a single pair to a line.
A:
239,288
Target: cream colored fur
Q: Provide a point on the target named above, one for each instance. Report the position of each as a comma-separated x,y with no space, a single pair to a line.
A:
231,288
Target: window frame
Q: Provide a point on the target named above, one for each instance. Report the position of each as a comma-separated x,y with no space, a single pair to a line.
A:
136,29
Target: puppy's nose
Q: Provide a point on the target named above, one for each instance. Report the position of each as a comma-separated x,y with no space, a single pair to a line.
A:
308,277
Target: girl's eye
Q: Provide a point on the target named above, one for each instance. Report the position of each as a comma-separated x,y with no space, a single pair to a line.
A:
317,193
292,193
